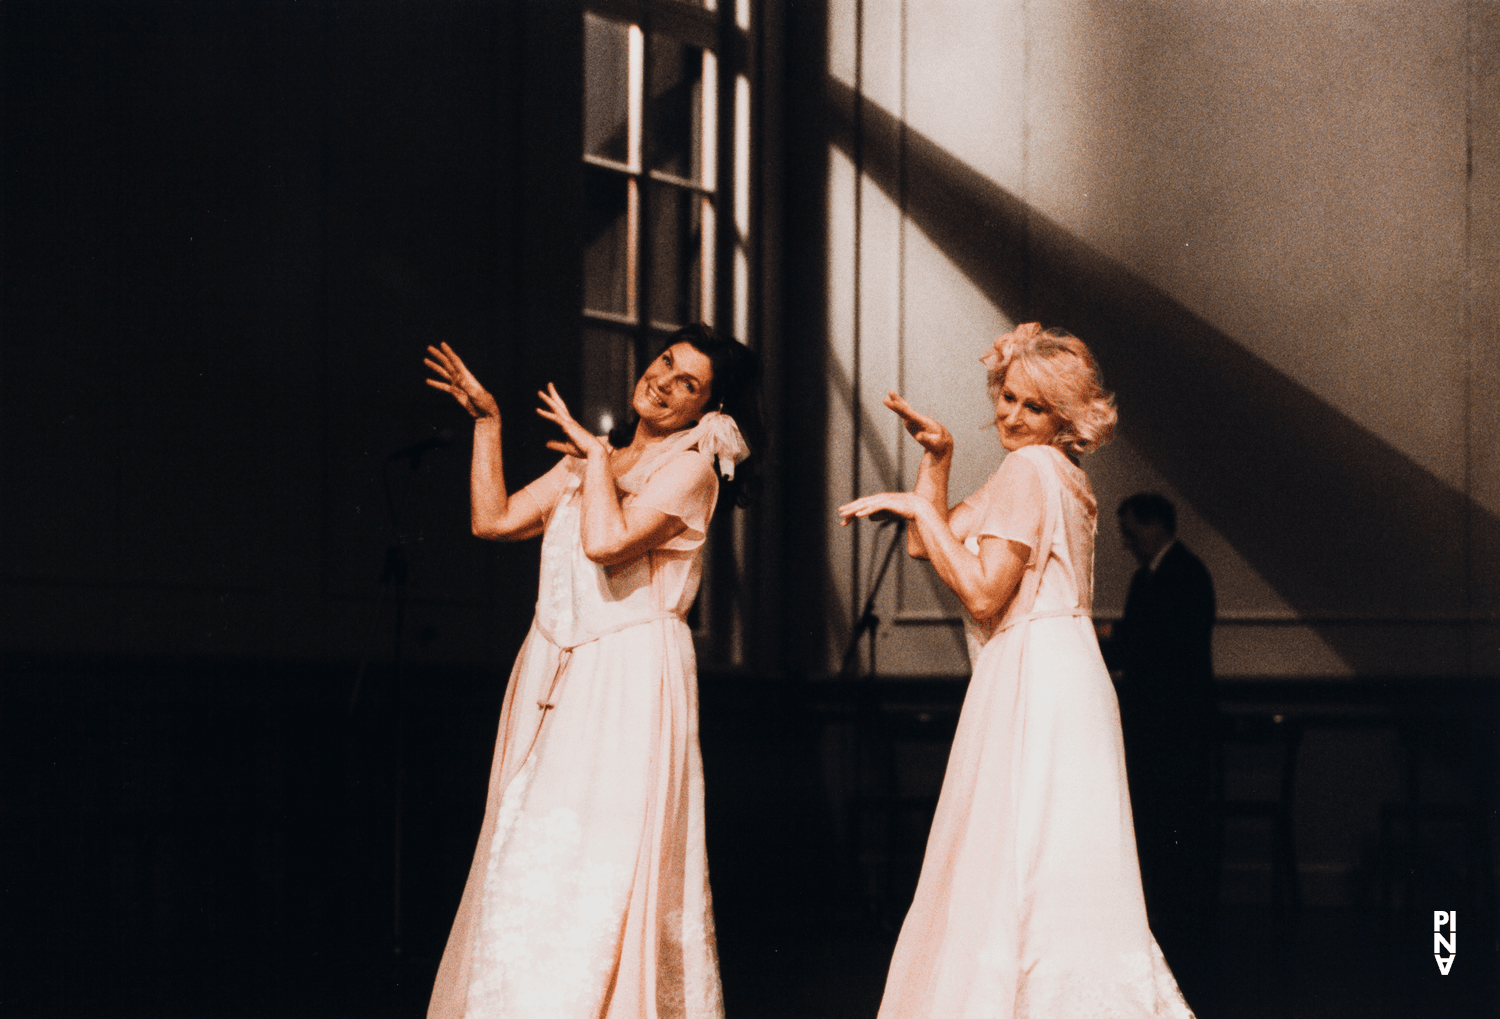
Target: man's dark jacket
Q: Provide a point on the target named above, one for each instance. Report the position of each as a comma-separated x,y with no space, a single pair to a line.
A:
1163,648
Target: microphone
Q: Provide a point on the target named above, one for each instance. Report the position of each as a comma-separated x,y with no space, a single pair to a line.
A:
417,450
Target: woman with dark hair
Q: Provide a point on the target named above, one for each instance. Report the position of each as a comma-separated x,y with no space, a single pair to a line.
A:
588,896
1029,905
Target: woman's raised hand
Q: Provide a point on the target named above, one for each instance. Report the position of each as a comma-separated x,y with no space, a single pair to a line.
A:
457,381
930,434
579,442
884,505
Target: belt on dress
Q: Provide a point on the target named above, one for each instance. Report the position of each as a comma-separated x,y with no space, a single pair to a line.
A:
565,651
1043,614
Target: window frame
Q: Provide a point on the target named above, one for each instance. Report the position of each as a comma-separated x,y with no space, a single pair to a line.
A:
723,616
715,31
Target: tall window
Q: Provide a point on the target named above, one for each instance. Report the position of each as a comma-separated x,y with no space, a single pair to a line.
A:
666,153
663,243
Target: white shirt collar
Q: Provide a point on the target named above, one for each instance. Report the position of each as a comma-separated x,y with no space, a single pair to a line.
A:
1156,561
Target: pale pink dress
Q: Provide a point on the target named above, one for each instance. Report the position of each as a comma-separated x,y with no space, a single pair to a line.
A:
588,895
1029,904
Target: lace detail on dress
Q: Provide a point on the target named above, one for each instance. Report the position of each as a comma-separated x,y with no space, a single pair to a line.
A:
555,602
561,920
1132,985
596,835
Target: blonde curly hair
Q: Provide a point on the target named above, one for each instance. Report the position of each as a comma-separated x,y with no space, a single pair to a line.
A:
1068,377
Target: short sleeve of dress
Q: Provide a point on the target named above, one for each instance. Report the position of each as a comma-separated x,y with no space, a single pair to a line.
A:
548,489
687,488
1015,504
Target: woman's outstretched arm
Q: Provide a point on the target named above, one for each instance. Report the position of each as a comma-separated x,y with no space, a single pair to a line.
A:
611,535
493,512
983,582
932,474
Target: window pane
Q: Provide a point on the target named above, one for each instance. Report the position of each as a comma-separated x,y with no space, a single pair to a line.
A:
606,88
678,242
608,379
608,242
674,108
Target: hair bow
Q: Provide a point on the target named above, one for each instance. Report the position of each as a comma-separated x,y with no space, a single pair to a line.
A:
998,354
719,438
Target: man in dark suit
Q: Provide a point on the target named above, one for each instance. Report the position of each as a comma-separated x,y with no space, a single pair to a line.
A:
1161,655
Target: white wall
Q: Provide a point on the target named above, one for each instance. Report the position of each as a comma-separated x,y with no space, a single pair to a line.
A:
1289,182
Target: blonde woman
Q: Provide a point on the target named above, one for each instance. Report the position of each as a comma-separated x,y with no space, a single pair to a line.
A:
1029,903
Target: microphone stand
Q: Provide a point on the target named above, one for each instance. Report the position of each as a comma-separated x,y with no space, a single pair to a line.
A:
865,708
868,621
395,578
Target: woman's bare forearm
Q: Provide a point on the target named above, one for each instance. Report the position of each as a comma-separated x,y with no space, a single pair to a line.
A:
488,499
603,519
932,487
492,511
610,535
984,583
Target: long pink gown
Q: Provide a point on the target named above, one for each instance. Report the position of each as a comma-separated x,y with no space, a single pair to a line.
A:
588,895
1029,904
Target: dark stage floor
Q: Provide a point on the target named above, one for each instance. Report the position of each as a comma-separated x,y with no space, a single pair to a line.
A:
1325,964
213,840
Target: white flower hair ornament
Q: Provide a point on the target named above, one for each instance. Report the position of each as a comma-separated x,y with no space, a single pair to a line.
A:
719,439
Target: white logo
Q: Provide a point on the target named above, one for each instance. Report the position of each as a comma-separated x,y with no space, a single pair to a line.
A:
1444,918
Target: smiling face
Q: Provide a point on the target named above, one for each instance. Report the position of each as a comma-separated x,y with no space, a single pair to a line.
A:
674,390
1022,416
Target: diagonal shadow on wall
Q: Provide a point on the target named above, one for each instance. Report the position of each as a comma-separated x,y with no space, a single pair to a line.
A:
887,479
1338,521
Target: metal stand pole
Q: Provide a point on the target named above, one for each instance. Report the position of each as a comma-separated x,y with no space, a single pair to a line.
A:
865,711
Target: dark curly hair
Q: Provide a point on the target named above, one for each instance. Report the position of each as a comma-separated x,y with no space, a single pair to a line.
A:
734,390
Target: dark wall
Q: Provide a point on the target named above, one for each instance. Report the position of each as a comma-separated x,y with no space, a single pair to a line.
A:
803,397
230,230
